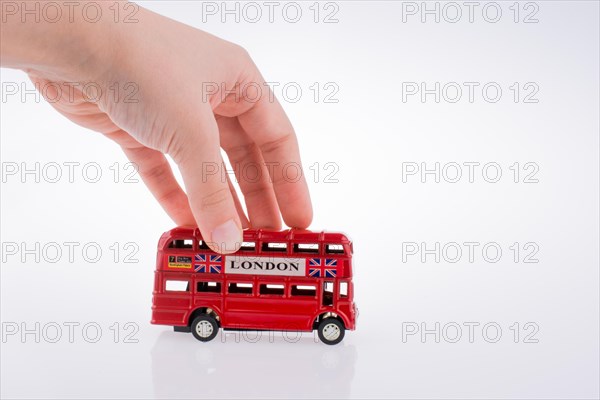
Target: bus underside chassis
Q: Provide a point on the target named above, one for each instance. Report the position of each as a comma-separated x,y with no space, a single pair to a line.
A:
205,326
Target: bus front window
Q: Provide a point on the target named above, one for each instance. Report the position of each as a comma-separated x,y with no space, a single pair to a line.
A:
343,290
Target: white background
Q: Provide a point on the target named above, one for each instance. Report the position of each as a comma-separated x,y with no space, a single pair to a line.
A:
370,133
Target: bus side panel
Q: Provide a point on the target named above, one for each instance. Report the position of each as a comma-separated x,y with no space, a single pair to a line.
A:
240,312
169,309
298,313
277,312
266,313
345,308
213,301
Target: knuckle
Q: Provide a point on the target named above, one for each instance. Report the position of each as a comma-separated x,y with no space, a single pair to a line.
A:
241,52
215,200
257,191
183,147
159,172
171,195
176,150
276,145
241,152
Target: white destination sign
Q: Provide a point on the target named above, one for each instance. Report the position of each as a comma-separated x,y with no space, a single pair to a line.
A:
265,266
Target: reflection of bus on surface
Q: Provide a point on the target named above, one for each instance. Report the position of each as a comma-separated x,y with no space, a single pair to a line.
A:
290,280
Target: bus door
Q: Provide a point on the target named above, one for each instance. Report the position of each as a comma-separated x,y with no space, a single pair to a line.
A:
327,294
303,302
239,309
271,307
208,292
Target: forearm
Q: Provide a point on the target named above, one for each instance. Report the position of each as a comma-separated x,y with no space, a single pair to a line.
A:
56,38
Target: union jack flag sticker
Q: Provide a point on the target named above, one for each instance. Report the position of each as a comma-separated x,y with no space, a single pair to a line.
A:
208,263
319,268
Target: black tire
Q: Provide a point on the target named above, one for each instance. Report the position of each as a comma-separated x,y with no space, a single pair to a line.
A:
331,331
202,331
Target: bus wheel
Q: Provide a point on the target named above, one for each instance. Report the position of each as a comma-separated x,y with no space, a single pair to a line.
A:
204,328
331,331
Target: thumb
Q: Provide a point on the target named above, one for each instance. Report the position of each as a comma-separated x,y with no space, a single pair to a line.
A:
197,154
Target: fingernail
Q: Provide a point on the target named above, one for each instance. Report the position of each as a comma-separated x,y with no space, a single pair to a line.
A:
227,236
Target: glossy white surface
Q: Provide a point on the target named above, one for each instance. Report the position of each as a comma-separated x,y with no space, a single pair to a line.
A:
367,134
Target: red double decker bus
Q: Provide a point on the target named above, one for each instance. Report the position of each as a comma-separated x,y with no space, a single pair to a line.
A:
293,280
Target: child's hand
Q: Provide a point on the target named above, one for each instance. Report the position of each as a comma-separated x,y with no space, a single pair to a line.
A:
162,93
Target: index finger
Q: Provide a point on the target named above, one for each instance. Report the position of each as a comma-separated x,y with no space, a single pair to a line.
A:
268,125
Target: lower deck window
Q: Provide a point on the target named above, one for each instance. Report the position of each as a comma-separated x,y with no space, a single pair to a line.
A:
304,290
269,288
208,287
243,288
177,286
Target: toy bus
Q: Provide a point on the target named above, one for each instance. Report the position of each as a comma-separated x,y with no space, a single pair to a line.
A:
292,280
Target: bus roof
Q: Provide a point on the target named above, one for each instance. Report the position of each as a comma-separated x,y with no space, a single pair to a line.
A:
293,235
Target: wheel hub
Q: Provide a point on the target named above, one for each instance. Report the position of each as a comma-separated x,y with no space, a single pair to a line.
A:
204,329
331,332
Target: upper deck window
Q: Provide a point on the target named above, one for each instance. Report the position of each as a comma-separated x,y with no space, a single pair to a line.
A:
280,247
248,246
311,248
181,244
334,249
